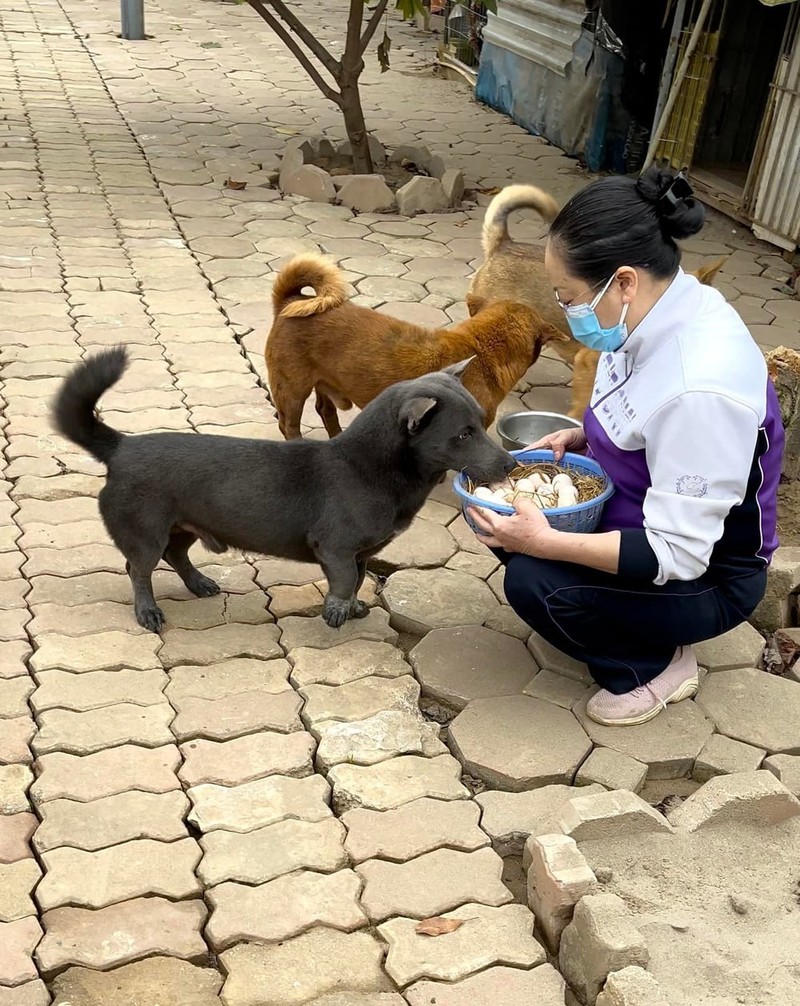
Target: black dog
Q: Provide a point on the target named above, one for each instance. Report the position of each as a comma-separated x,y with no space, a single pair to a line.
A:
334,502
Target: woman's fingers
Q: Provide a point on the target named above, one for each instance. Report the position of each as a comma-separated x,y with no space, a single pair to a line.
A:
482,519
546,443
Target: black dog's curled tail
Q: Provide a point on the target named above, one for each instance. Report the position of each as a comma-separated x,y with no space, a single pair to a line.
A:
74,410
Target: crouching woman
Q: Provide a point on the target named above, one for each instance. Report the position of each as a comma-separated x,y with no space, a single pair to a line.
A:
686,423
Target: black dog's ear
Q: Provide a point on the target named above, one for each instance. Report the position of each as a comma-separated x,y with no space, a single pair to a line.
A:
414,411
457,369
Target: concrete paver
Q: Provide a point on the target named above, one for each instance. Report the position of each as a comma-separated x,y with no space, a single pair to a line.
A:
15,834
498,986
158,979
487,936
284,907
519,743
432,883
262,855
121,933
413,829
112,820
116,226
106,773
244,759
109,876
301,969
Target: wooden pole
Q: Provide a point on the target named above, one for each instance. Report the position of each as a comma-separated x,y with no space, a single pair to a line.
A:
683,69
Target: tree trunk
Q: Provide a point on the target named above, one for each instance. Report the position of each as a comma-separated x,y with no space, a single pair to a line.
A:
352,66
784,369
355,126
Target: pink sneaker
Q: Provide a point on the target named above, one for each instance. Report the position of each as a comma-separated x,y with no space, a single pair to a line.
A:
676,682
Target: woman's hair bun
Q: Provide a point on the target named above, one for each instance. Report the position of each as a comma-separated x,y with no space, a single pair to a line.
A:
671,196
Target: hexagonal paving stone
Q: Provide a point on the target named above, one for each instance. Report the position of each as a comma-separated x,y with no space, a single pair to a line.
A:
518,743
421,600
668,744
423,545
741,647
754,707
551,659
455,666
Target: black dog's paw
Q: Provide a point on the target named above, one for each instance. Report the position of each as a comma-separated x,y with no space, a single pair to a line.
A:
359,609
151,619
203,586
335,611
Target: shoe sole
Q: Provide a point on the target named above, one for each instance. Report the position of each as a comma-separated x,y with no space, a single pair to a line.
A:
685,691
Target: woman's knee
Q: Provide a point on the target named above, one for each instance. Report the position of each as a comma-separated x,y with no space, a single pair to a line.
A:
525,587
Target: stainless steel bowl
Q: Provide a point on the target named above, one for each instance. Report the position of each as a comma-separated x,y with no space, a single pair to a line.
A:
519,429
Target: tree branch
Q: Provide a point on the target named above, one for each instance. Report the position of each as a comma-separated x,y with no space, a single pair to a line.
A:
351,60
372,25
296,25
291,43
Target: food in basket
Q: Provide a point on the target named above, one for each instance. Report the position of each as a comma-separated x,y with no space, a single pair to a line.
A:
549,486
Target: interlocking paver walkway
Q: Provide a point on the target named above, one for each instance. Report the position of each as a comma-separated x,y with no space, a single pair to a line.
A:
251,782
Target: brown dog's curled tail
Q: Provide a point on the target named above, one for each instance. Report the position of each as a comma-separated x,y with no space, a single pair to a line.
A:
307,270
513,197
74,410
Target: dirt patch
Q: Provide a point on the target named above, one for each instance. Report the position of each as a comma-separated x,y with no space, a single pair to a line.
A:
789,513
395,175
718,908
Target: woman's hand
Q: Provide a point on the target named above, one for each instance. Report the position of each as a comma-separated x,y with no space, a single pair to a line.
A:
527,531
571,439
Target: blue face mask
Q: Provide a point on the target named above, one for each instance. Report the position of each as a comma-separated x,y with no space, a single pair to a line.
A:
585,325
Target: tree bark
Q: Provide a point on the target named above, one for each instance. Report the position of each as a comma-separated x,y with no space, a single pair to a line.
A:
784,369
352,65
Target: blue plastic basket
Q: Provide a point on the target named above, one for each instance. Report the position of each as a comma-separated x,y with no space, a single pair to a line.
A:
583,517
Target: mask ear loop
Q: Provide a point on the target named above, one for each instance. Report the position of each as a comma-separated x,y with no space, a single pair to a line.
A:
625,307
602,293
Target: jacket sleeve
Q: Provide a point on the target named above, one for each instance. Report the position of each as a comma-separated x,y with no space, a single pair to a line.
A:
699,449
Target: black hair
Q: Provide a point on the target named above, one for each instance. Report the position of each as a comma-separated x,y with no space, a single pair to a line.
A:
619,221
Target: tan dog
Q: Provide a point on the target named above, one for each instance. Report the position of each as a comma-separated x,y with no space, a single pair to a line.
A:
348,354
515,271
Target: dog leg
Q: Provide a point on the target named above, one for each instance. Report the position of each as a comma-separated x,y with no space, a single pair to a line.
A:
326,411
139,567
289,408
359,608
584,370
176,554
342,573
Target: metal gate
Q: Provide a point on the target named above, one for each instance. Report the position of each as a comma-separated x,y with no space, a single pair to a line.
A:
774,183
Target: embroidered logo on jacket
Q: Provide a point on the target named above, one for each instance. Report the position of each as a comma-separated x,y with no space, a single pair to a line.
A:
691,485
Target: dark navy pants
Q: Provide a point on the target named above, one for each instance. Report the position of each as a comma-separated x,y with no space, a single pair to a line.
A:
625,631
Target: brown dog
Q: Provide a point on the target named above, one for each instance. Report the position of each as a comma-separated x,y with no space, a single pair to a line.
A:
515,271
348,354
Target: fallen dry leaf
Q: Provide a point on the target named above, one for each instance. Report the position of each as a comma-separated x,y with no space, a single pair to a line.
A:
438,926
232,184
